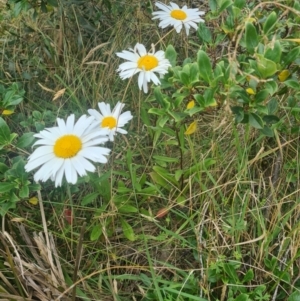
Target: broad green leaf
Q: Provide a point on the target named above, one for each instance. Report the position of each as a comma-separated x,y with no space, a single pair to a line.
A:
274,53
290,57
204,33
224,4
24,192
295,296
238,112
248,276
270,22
272,106
194,73
251,37
239,3
89,198
127,230
185,79
266,67
255,121
204,65
6,187
270,119
292,84
261,96
171,55
242,297
161,99
25,140
4,132
96,232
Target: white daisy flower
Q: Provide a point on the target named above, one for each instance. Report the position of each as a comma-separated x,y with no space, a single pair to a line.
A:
145,63
112,120
65,149
175,16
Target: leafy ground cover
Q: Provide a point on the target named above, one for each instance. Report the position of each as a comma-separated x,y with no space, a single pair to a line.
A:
199,201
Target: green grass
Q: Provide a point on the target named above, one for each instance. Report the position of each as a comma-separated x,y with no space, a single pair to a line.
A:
230,194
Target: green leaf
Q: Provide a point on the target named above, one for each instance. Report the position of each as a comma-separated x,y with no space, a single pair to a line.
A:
25,140
204,65
24,192
238,112
255,121
161,99
239,3
194,73
242,297
290,57
295,296
204,33
248,276
89,198
272,106
127,230
127,209
171,55
96,232
4,132
261,96
274,53
165,159
266,67
270,119
292,84
270,22
251,37
6,187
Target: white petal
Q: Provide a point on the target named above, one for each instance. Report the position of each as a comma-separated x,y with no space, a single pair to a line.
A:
70,123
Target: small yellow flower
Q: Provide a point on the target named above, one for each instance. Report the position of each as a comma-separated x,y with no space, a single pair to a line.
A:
7,112
250,91
33,201
191,128
283,75
190,105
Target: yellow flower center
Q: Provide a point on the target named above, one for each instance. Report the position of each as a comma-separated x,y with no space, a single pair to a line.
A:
147,62
67,146
109,122
178,14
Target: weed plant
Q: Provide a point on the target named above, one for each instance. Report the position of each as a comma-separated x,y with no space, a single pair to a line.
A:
200,200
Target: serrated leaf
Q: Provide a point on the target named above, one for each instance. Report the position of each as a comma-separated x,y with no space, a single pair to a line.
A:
127,230
255,121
